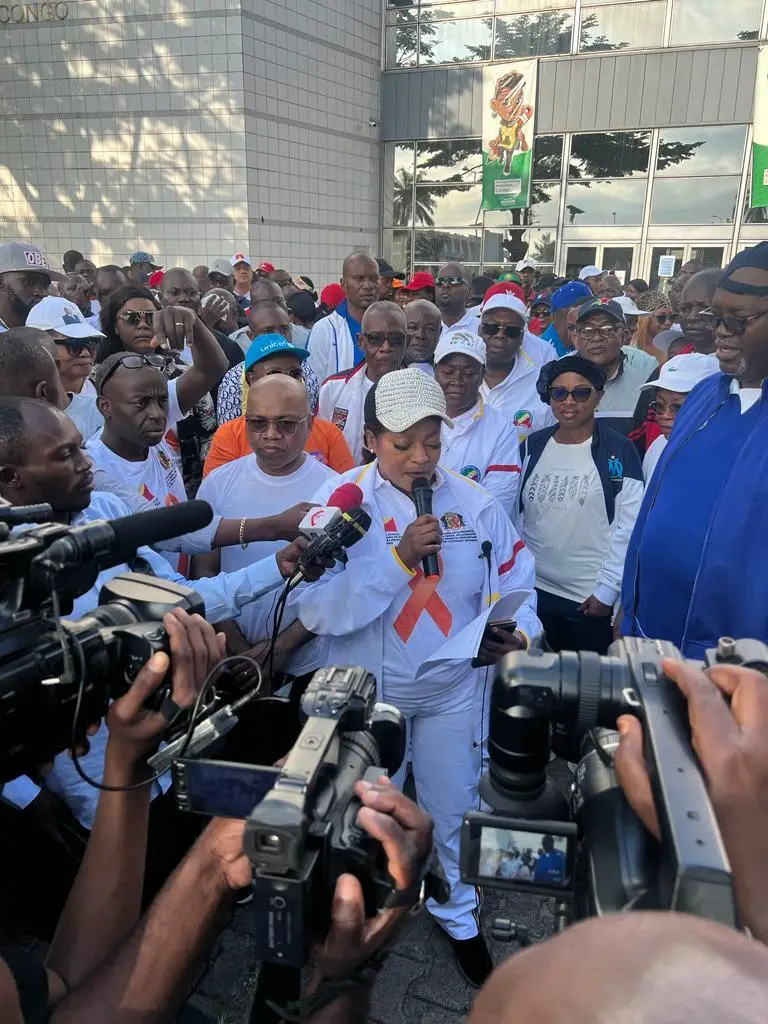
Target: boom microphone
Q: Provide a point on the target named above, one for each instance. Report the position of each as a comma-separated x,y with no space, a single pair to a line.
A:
421,496
111,543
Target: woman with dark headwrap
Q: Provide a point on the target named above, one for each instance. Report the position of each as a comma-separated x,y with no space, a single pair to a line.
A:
580,492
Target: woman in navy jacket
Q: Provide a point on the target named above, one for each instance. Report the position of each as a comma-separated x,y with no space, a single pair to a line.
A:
580,492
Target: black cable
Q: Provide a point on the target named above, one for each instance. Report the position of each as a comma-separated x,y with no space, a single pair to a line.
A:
277,621
193,719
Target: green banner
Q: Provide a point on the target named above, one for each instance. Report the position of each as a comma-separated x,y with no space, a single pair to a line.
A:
509,114
760,133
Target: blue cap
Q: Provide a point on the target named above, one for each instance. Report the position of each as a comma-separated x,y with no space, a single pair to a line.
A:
541,300
570,294
272,345
141,256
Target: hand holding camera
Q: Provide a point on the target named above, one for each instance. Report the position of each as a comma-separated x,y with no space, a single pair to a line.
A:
729,742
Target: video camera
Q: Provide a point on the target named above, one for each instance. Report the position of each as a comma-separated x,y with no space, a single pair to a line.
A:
58,676
301,832
588,849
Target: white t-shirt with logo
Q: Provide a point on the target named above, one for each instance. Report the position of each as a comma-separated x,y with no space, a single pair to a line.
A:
241,488
153,482
566,525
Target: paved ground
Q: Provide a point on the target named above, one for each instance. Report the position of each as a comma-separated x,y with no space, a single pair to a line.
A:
419,983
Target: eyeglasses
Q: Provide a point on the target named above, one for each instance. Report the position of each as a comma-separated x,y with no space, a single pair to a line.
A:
76,346
540,311
449,282
732,324
606,332
582,393
396,339
260,424
665,318
134,317
133,361
662,409
508,330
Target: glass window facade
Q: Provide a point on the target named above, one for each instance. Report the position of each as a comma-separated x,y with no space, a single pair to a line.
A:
620,194
474,31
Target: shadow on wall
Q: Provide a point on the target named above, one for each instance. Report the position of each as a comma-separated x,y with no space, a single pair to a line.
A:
121,127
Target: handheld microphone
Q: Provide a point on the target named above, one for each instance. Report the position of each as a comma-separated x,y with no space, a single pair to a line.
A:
14,515
110,543
421,496
343,499
341,533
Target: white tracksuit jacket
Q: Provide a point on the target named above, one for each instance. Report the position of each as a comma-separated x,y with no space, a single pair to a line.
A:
516,396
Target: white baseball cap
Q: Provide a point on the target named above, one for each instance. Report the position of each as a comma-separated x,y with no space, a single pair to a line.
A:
630,307
506,301
525,265
682,373
461,343
402,398
240,257
52,313
590,271
221,266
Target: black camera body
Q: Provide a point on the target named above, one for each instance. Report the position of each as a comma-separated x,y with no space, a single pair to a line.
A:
569,702
50,666
301,829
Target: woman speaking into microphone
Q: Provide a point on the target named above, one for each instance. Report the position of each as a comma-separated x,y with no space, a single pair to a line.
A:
382,612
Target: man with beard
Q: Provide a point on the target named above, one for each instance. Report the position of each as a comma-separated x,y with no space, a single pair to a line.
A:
25,276
332,345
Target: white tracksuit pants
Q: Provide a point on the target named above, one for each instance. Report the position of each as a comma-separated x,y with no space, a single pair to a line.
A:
446,768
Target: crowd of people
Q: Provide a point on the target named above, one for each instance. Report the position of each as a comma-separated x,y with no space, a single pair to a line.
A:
594,449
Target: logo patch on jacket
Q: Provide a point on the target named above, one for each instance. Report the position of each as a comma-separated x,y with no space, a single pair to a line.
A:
452,521
615,467
523,418
339,417
471,473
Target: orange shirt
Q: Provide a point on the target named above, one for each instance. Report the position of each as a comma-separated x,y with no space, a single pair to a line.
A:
326,442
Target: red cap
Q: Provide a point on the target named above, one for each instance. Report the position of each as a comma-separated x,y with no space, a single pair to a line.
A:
420,280
268,268
332,295
156,279
505,288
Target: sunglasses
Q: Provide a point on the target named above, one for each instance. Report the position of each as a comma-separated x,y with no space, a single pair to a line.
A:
396,339
449,282
580,394
540,311
134,361
732,324
508,330
77,347
665,318
662,409
260,424
134,317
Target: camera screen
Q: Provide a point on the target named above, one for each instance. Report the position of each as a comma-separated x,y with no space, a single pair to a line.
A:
226,789
516,856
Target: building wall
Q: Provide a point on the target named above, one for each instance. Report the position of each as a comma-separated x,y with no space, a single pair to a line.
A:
583,93
192,128
312,82
120,132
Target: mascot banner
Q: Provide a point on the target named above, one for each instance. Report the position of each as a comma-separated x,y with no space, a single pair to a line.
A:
509,98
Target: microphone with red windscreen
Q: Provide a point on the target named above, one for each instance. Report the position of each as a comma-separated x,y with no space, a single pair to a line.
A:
343,499
334,527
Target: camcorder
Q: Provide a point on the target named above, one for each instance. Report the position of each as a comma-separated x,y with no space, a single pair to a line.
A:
301,829
57,676
587,848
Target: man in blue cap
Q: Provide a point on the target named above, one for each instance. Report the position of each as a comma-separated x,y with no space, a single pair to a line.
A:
569,296
696,565
141,265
